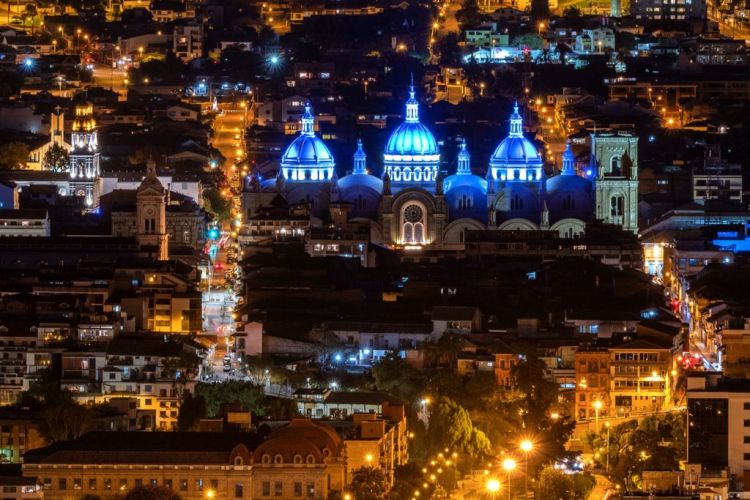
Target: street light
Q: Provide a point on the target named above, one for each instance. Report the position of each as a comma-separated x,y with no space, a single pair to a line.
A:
607,425
526,447
493,486
597,406
509,465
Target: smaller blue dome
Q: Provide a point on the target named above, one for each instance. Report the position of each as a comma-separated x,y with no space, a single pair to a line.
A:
307,158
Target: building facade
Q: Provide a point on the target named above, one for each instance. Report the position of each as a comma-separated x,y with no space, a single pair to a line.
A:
415,205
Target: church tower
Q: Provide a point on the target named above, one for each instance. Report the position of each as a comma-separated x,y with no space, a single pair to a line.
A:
615,156
151,217
84,155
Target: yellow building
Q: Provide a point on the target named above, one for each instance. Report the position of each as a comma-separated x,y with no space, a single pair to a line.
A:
301,459
640,378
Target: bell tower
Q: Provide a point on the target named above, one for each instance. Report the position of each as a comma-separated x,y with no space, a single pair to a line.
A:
615,157
151,216
84,155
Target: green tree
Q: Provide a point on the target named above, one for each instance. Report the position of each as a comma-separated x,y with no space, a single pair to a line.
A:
368,483
393,375
556,485
450,426
65,421
151,493
406,480
232,391
259,369
56,159
571,12
13,155
216,204
192,409
184,367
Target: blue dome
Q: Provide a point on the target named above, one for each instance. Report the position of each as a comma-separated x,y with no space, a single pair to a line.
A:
515,150
516,158
411,154
306,150
411,138
307,158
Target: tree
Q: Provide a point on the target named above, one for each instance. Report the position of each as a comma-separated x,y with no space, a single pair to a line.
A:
65,421
56,159
368,483
554,484
232,391
572,12
259,369
13,155
450,426
192,409
469,14
219,206
450,51
151,493
393,375
539,10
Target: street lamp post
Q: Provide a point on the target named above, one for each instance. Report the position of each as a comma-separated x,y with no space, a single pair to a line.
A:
607,425
526,447
509,465
597,406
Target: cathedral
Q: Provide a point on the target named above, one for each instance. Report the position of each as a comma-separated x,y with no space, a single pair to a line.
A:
415,204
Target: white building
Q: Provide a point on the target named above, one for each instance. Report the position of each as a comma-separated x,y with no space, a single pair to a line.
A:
24,222
596,41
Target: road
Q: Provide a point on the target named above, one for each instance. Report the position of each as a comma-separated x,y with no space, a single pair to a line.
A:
229,138
111,78
602,489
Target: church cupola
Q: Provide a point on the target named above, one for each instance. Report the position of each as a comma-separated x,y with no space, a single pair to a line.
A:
568,161
360,159
412,106
464,159
308,121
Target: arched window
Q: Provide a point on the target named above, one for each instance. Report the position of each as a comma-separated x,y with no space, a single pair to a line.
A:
311,459
278,459
418,174
413,229
516,203
407,174
238,460
465,202
569,203
298,459
616,164
265,459
617,206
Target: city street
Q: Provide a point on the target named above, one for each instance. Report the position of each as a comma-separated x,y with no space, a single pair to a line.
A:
111,78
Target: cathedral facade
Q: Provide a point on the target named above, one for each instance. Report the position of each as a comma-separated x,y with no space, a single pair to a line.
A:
414,204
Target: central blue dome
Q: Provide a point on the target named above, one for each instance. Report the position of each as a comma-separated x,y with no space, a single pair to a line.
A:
307,158
411,153
412,138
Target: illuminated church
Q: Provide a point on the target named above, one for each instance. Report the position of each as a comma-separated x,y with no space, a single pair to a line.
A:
414,203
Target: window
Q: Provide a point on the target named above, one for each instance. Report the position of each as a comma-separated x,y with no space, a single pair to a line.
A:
297,489
746,439
746,457
183,484
238,490
138,483
123,484
62,483
214,484
569,203
516,203
168,483
617,206
199,484
310,490
746,406
92,484
266,489
47,483
154,482
747,424
77,484
277,488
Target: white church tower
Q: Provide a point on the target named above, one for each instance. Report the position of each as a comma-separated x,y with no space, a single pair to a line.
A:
151,215
615,158
84,155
